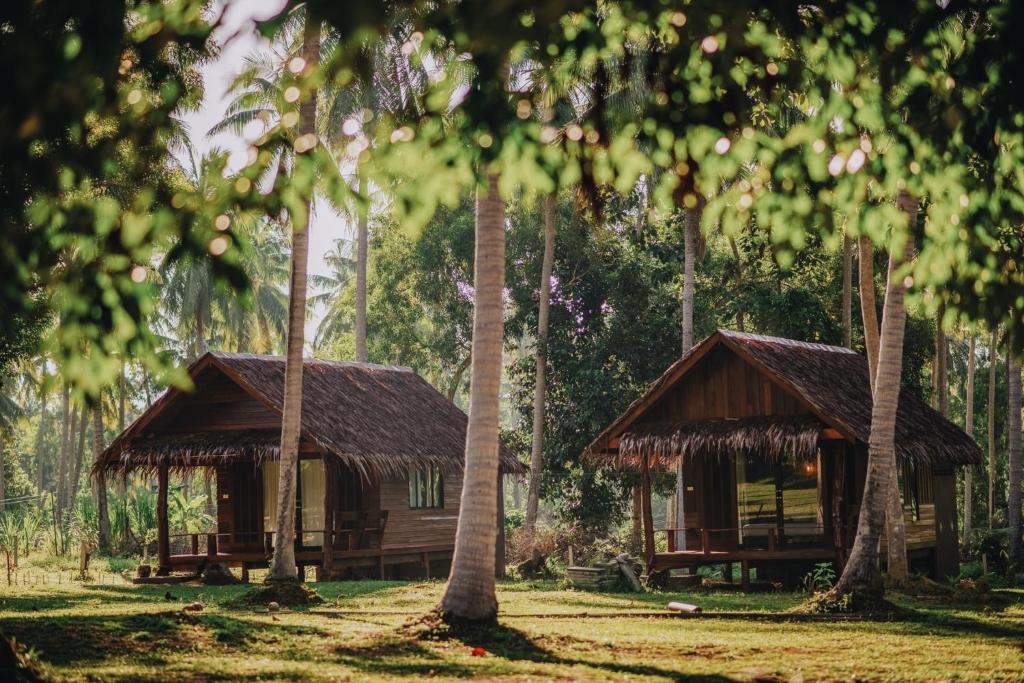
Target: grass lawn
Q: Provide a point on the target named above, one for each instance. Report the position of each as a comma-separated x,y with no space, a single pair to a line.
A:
106,632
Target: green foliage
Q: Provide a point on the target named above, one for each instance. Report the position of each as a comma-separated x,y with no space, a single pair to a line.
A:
85,196
821,578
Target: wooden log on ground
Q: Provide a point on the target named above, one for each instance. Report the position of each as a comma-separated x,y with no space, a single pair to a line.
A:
625,564
684,607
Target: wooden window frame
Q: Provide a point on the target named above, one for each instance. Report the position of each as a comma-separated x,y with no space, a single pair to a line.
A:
426,488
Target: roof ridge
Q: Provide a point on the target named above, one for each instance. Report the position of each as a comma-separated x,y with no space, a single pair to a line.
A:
783,341
310,360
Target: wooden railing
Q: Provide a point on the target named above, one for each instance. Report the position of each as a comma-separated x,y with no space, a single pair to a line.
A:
357,530
700,539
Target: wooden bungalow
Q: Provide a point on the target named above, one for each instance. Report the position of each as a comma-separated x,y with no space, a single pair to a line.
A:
380,466
773,434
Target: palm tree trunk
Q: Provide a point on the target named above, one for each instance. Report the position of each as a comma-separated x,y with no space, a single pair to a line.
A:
868,307
77,454
740,317
3,482
100,480
362,240
993,359
540,384
1013,404
43,424
65,436
969,428
691,229
895,525
860,577
941,364
470,593
67,461
636,523
282,564
122,399
200,346
847,303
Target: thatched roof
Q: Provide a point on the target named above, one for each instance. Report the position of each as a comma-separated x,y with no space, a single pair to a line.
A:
377,419
831,381
772,437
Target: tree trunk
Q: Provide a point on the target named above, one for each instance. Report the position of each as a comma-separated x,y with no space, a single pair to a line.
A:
691,227
860,577
1013,448
122,398
67,461
40,436
868,307
200,347
3,483
847,303
77,455
100,480
969,428
740,318
636,528
941,387
65,436
460,371
993,360
895,525
362,243
540,384
691,233
282,564
470,594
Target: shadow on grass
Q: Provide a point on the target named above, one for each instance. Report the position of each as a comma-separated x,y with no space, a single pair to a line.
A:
405,653
146,639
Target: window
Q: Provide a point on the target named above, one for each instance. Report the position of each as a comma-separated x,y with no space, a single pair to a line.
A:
426,487
779,496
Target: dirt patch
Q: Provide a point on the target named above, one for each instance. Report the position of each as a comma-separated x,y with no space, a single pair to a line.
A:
281,593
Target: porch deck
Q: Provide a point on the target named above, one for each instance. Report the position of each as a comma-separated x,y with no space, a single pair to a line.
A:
196,551
720,546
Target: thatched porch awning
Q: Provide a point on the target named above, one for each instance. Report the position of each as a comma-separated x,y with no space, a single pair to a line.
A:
196,449
771,437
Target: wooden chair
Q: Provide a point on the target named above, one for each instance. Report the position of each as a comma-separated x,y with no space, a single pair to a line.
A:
346,530
372,532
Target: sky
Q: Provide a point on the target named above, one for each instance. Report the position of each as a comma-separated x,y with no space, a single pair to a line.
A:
237,38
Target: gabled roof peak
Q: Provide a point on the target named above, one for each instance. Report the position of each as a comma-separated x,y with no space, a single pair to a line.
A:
308,361
782,341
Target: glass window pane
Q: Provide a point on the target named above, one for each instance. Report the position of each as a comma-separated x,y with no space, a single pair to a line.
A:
314,486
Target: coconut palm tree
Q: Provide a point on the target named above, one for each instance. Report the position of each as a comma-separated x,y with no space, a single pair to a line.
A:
99,480
1013,420
895,524
972,362
993,360
9,411
860,577
282,564
337,319
540,381
391,88
257,322
470,593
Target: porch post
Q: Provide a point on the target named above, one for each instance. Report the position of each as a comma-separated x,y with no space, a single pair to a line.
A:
499,546
329,505
645,507
163,541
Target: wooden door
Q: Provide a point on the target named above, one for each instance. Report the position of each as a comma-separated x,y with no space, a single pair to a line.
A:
248,506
